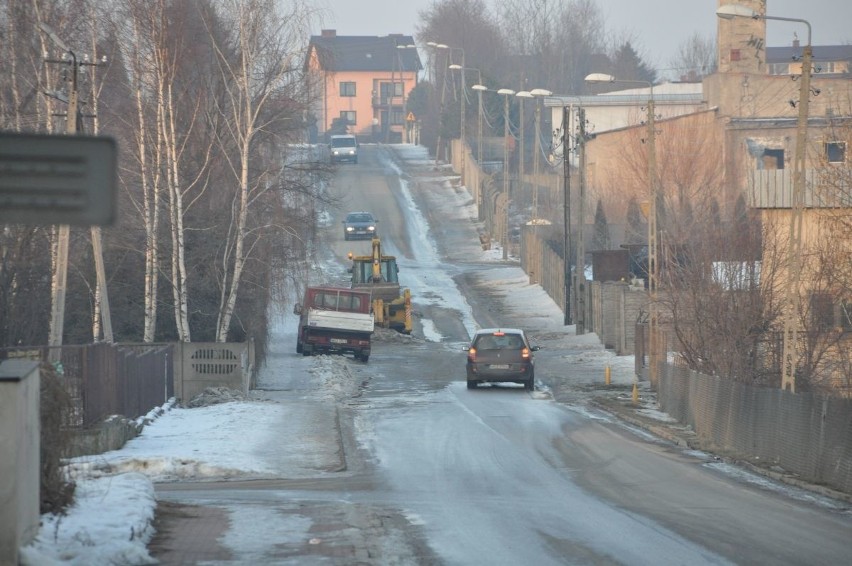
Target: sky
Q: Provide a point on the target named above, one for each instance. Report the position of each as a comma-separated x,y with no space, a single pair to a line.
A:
658,32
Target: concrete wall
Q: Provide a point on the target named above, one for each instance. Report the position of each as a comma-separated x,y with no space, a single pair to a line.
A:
20,431
199,365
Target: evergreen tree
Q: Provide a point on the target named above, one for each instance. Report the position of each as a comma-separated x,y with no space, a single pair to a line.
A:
602,239
636,227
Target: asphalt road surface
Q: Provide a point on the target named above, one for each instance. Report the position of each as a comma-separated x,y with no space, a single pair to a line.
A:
432,473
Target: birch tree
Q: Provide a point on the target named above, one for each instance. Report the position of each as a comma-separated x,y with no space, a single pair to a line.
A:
259,63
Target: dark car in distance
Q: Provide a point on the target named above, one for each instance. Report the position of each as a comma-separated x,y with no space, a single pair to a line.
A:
359,225
500,355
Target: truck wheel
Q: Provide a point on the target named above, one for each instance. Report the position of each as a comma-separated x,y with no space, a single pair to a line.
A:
364,357
298,347
471,384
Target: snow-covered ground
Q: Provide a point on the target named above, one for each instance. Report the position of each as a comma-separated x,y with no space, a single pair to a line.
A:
111,519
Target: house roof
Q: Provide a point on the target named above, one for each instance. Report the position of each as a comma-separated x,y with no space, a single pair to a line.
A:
820,53
365,53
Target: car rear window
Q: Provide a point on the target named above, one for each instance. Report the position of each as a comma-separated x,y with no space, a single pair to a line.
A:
499,342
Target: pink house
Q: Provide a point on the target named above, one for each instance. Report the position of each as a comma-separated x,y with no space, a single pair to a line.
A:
363,84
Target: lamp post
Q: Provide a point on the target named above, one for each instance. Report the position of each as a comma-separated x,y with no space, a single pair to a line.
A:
479,88
794,248
521,95
462,68
653,253
538,93
437,47
506,93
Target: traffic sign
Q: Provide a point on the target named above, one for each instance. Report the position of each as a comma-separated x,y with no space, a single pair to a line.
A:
410,117
54,179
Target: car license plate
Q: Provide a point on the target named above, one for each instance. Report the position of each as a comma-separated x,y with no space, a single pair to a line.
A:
499,366
338,341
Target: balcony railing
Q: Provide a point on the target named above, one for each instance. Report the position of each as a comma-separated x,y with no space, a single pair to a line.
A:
824,188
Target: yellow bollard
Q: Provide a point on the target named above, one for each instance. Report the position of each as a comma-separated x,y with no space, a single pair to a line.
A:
635,394
607,376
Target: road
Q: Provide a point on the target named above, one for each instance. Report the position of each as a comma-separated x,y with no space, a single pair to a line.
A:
432,473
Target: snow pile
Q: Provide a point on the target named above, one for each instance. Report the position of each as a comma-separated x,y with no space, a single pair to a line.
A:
337,382
87,535
392,336
214,396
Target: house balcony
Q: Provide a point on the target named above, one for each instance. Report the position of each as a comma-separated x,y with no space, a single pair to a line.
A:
387,101
829,187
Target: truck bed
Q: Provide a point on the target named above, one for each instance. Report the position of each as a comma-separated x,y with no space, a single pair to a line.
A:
340,321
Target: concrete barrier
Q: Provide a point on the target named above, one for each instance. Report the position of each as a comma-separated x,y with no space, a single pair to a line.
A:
20,462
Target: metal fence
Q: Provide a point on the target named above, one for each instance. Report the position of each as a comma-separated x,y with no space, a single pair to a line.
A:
109,379
802,433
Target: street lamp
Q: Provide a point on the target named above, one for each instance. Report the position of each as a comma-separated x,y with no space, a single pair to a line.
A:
521,95
506,93
479,88
462,68
653,267
437,47
794,250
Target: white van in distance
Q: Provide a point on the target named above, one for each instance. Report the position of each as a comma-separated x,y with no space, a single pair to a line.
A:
343,148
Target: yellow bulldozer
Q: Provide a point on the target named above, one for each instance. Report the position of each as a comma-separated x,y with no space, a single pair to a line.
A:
379,274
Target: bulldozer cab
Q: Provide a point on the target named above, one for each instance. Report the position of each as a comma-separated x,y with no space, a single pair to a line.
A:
363,272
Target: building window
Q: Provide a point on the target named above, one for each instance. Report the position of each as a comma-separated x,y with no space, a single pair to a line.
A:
397,117
390,90
349,116
822,311
835,152
347,89
735,54
779,68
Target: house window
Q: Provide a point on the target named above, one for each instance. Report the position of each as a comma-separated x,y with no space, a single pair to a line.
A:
349,116
347,89
389,90
397,117
835,152
779,68
735,55
822,311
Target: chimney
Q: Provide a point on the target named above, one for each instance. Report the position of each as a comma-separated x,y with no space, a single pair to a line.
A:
795,40
329,33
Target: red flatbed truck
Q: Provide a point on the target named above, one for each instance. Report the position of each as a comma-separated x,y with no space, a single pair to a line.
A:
334,320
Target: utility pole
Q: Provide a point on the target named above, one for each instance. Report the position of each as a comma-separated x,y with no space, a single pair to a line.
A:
653,252
506,93
791,319
60,274
566,209
580,291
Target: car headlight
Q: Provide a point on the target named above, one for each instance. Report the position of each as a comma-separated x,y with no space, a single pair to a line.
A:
371,228
349,228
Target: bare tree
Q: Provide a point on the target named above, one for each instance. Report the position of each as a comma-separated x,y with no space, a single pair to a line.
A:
259,63
695,58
